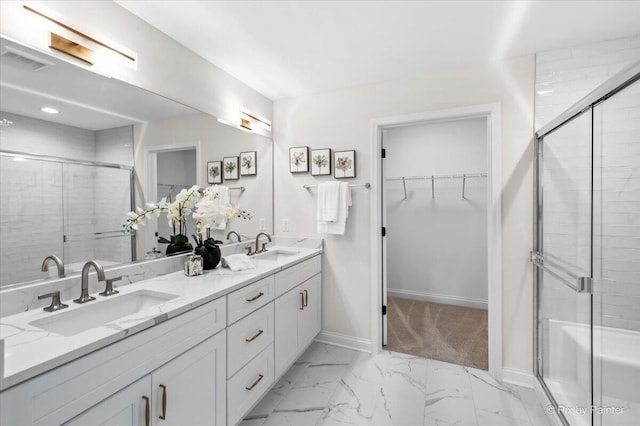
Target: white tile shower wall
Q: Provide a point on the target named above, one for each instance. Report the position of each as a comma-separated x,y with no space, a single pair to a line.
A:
562,78
617,213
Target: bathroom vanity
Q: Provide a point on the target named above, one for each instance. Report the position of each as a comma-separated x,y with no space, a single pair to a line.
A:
182,350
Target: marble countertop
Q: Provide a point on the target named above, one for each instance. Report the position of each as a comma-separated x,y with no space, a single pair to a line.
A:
29,350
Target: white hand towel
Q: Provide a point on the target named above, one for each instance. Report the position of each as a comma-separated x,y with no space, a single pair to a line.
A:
237,262
328,201
222,201
339,226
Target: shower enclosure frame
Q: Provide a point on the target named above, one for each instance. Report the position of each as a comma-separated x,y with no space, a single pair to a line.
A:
73,161
614,85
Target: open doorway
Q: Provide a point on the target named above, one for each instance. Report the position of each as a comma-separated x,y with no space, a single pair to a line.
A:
170,168
429,189
435,211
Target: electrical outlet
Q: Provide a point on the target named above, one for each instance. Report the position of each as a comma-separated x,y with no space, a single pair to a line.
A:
263,224
285,225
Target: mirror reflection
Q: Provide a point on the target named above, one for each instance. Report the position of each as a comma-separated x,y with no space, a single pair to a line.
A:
69,177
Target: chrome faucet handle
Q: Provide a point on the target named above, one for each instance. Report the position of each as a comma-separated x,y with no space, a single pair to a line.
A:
109,291
56,305
249,252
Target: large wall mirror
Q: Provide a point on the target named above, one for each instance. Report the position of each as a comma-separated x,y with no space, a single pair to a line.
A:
69,178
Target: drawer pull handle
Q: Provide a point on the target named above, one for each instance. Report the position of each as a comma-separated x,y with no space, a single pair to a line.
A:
255,336
306,298
164,403
260,376
146,410
256,297
301,301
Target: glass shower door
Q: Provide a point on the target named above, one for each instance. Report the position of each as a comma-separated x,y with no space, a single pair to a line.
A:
563,267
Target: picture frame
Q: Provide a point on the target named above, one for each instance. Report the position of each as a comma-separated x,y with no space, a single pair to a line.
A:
230,168
344,164
248,163
321,162
214,172
299,159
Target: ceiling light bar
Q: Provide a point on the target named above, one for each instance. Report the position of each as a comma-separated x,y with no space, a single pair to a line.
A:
253,118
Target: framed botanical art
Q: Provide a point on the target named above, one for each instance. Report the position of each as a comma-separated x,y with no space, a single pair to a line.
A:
299,159
214,172
230,168
344,164
321,162
248,165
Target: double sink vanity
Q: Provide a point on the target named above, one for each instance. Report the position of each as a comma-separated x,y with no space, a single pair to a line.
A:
167,350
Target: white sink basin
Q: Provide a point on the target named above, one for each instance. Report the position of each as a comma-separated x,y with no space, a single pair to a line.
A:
276,255
100,312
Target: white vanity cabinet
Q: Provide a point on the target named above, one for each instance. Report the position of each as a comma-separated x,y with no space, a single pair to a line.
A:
187,390
298,321
298,311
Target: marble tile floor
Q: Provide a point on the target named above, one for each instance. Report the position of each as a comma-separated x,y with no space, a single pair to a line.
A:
329,385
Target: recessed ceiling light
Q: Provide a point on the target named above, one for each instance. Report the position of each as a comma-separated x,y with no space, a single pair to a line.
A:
49,110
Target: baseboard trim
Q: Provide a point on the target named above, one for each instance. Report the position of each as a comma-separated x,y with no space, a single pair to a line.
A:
438,298
517,377
348,342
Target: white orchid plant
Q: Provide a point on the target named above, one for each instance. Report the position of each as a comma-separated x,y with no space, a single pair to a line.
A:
202,204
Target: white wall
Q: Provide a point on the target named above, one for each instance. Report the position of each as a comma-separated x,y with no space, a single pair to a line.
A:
437,247
341,120
164,66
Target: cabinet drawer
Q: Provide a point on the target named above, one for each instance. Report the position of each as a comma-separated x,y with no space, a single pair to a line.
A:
242,302
291,277
249,385
248,337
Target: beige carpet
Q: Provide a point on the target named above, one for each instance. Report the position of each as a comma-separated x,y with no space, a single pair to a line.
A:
437,331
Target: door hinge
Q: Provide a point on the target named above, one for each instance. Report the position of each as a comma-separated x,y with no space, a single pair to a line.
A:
384,309
384,153
384,231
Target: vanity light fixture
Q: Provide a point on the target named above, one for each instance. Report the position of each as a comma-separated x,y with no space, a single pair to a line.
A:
49,110
31,8
254,120
245,124
71,48
237,126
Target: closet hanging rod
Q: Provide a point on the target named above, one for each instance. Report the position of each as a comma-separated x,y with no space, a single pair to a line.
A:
431,177
353,185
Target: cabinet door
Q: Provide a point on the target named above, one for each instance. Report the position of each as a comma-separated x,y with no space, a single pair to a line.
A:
287,343
124,408
190,389
311,315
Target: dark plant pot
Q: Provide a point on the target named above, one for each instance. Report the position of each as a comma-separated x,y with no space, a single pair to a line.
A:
178,248
210,253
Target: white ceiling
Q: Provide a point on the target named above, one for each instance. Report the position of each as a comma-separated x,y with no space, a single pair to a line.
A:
85,99
290,48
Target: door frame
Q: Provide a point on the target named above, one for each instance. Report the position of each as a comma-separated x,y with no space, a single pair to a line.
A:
151,179
492,113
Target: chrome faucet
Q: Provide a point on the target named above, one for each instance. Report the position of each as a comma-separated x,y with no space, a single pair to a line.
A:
264,245
84,295
58,262
237,235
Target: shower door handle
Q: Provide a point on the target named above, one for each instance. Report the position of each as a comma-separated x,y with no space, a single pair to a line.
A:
574,282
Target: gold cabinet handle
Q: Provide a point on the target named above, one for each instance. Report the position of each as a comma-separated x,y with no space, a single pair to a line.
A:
306,298
301,300
163,416
256,297
260,376
255,336
146,410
